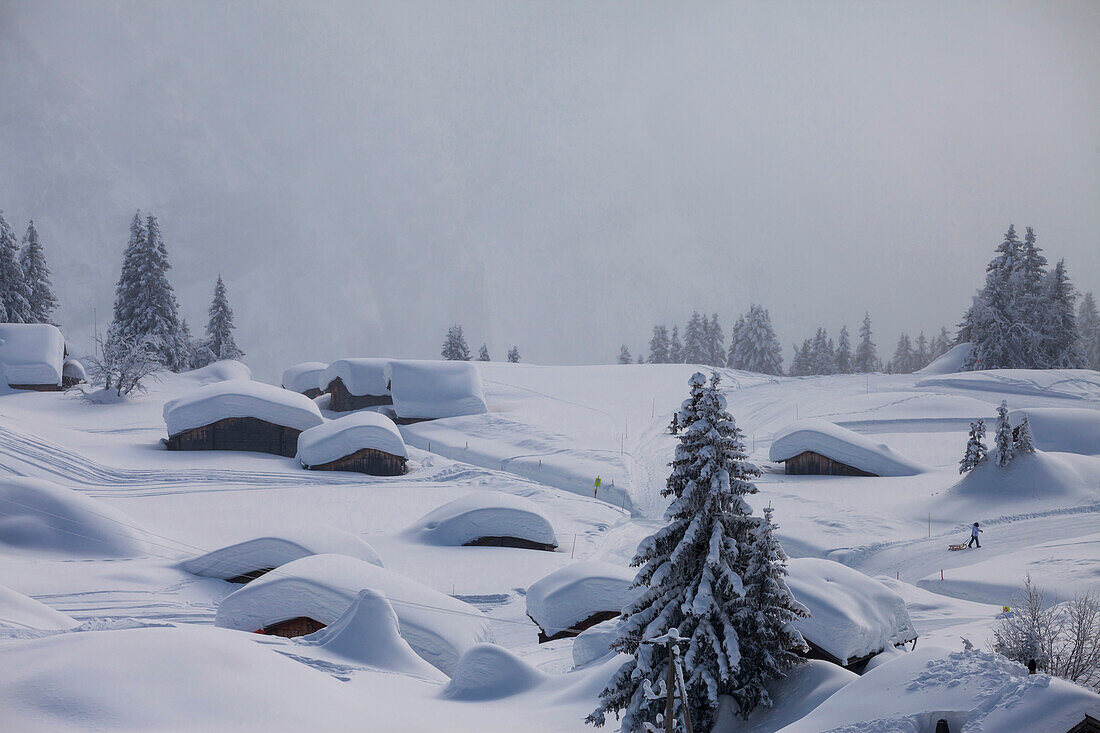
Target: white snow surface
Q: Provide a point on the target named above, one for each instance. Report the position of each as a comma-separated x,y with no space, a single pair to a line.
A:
271,552
240,398
851,615
949,362
976,692
39,516
1071,383
18,611
484,514
360,376
1062,429
218,371
793,697
489,672
31,353
343,436
595,642
578,591
841,444
322,587
436,389
73,369
1030,480
303,376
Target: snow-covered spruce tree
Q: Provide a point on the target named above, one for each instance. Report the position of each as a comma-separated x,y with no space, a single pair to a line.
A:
735,357
866,356
219,329
624,355
454,345
128,289
695,340
996,322
675,348
513,355
975,447
920,354
15,305
1061,346
1002,439
483,353
1021,438
822,353
658,346
843,352
32,260
716,342
757,348
715,573
1088,325
903,360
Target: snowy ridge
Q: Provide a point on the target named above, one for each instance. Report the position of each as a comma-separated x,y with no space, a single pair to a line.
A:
240,398
1062,429
843,445
344,436
18,611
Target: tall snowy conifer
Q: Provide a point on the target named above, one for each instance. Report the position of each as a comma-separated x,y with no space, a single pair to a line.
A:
658,346
695,340
675,348
904,358
15,295
624,355
866,355
454,345
128,289
735,357
219,329
757,348
975,447
158,313
513,355
36,275
716,573
716,342
822,354
1061,346
1088,324
483,353
1021,442
1002,439
843,352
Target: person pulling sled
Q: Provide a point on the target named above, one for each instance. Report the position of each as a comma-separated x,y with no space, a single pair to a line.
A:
974,530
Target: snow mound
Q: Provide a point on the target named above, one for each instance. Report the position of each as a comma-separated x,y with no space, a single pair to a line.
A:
240,398
74,370
218,371
338,438
950,362
176,678
576,593
843,445
304,376
595,642
427,390
438,627
973,691
31,353
793,697
1062,429
1039,476
263,553
369,633
851,616
18,611
490,672
360,376
1072,383
484,514
42,516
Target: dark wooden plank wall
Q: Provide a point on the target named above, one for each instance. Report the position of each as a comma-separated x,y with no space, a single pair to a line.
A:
239,433
815,464
344,401
369,461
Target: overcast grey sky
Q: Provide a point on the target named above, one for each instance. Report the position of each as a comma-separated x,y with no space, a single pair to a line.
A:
556,175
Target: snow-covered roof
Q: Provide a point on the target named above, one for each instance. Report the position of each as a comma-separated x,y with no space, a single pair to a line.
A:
218,371
304,376
31,353
73,369
338,438
240,398
258,553
436,389
438,627
1062,429
851,615
840,444
39,515
484,514
18,611
360,376
578,591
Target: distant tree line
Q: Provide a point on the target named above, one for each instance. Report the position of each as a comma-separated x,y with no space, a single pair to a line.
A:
26,292
455,348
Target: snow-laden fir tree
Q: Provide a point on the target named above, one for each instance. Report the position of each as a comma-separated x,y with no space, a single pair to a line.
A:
1021,438
1002,439
658,346
904,359
975,447
802,361
866,359
715,573
735,355
15,305
624,355
483,353
32,261
128,289
843,352
454,345
920,354
675,348
695,350
758,349
513,355
1061,346
219,329
822,354
1088,325
716,342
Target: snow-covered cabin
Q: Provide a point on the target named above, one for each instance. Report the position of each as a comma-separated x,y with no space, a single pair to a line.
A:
489,518
309,594
852,617
819,447
248,560
304,378
72,374
240,414
356,383
32,356
366,442
580,595
430,390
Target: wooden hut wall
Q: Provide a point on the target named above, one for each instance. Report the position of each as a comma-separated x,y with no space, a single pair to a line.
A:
577,628
292,627
239,433
38,387
517,542
815,464
369,461
344,401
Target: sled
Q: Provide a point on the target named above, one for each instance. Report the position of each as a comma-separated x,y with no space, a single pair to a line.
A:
959,546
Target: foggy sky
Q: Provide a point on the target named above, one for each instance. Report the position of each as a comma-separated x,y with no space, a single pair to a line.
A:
554,175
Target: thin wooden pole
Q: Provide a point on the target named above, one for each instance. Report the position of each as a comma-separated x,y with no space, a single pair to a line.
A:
671,684
683,693
574,550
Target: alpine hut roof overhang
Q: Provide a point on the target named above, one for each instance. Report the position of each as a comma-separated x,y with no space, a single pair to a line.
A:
431,390
490,518
365,441
240,414
304,378
356,383
32,356
580,595
814,446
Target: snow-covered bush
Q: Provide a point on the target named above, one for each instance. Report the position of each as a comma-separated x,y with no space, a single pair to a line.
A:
123,363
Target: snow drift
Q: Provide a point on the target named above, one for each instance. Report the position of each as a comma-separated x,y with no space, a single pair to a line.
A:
1062,429
338,438
264,553
1033,478
218,371
438,627
31,353
840,444
240,398
427,390
18,611
73,371
851,616
42,516
1072,383
595,642
490,672
793,697
360,376
564,600
484,514
304,376
950,362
